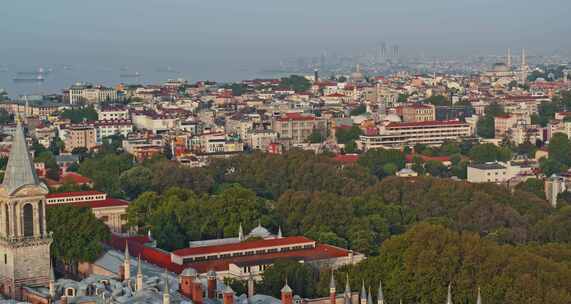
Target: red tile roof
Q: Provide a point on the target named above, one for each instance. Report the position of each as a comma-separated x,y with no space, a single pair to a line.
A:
409,158
110,202
295,116
162,258
242,246
346,158
75,193
425,123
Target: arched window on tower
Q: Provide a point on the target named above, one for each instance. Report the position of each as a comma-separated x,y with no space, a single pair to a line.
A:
41,217
28,212
7,215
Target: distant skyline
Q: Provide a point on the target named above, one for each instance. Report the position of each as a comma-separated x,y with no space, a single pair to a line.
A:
222,40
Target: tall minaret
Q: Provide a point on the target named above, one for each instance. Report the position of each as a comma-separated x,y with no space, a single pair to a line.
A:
347,295
240,233
479,300
332,290
380,296
449,297
370,297
166,291
127,263
363,293
139,283
51,283
523,67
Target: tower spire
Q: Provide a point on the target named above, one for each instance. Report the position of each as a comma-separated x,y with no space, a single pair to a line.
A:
479,300
363,293
370,297
240,233
127,263
449,297
139,285
166,291
20,169
380,296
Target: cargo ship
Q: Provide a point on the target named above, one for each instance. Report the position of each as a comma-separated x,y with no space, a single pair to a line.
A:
38,78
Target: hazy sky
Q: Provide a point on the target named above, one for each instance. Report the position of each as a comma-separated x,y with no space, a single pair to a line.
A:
212,34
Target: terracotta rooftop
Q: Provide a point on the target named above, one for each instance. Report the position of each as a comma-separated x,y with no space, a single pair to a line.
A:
243,246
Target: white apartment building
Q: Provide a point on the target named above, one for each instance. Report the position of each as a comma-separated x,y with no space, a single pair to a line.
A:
113,113
396,135
86,93
153,121
106,128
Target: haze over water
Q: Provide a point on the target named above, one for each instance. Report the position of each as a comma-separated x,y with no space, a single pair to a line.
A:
233,40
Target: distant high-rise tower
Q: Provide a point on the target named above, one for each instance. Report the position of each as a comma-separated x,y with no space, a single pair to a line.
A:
396,51
383,50
509,58
523,67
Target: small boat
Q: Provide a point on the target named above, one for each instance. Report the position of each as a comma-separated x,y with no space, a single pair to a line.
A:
38,78
128,75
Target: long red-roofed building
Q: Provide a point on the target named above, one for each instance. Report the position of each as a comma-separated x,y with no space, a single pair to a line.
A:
112,211
239,257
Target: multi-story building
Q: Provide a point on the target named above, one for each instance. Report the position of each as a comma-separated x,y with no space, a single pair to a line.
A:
396,135
112,212
417,112
503,123
500,172
261,139
106,128
297,127
81,93
215,143
152,121
113,113
80,136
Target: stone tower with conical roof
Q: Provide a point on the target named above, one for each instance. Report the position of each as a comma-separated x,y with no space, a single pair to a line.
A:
24,241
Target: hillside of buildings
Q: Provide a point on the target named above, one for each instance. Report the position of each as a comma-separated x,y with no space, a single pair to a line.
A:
418,181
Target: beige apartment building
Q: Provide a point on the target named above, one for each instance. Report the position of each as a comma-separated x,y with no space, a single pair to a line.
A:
80,137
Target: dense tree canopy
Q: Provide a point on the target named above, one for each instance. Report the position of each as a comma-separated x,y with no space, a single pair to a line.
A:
80,114
77,234
296,83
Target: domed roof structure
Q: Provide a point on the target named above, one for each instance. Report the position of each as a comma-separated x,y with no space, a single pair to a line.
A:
357,76
500,67
189,272
393,118
259,232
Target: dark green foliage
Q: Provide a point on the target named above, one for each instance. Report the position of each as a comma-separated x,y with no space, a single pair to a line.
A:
296,83
104,169
300,277
438,100
375,161
361,109
418,265
348,135
80,114
77,234
485,127
488,153
533,185
5,117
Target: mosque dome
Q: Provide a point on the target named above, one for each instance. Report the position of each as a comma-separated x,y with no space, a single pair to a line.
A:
357,76
500,67
189,272
259,232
